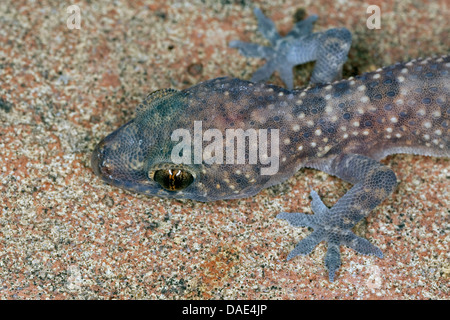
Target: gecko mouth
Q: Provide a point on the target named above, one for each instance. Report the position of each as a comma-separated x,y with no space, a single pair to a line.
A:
97,159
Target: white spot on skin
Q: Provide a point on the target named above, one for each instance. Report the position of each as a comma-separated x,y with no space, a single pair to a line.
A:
364,99
399,102
313,144
345,136
400,79
328,97
287,141
376,76
412,103
394,120
362,88
426,136
296,128
300,148
310,123
389,129
398,135
404,70
427,124
328,87
318,132
421,112
438,132
365,132
356,124
436,113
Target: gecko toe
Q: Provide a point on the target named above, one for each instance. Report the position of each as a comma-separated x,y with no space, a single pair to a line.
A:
307,245
329,230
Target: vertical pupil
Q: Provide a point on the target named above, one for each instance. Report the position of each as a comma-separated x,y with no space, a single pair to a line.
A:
173,179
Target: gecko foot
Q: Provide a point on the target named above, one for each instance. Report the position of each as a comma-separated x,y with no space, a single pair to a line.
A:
282,55
329,49
326,228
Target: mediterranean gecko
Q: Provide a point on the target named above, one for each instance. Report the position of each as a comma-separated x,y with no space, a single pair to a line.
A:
343,128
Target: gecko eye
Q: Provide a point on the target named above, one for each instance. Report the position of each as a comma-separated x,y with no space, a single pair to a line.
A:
173,179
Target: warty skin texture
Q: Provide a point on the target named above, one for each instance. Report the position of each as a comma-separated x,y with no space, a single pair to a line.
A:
342,128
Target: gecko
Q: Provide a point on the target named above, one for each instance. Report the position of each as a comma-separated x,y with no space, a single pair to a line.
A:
177,146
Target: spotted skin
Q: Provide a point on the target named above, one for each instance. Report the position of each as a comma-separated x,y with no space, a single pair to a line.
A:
342,128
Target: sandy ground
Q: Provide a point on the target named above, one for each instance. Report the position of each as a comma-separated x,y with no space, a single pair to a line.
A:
64,234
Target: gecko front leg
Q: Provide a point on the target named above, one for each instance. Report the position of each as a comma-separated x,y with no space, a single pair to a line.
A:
373,182
329,49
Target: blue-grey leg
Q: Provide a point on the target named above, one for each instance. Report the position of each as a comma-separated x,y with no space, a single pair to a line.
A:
329,49
331,53
373,182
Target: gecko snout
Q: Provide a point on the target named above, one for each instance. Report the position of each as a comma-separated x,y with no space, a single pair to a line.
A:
97,158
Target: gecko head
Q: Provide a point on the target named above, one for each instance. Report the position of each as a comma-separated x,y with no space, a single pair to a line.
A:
177,147
128,160
139,160
137,156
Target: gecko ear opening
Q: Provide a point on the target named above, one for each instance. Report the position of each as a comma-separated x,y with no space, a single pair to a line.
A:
173,179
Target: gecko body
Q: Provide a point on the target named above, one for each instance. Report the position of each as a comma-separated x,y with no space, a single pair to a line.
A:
342,128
